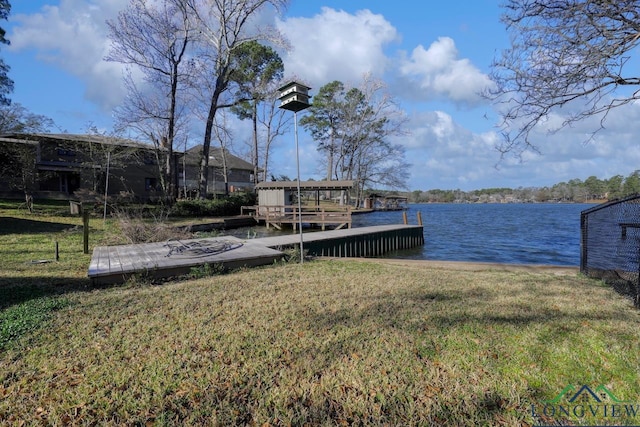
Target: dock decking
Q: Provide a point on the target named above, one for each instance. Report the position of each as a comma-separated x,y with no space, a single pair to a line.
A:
353,242
114,264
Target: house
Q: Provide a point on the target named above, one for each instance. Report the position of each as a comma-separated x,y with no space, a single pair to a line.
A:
227,173
57,165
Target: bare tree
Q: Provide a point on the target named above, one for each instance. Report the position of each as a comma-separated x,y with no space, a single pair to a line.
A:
19,160
225,137
224,25
564,52
354,128
376,160
256,68
111,152
270,123
19,167
153,38
15,118
325,120
274,123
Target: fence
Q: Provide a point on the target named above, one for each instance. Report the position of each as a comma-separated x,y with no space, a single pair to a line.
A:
610,245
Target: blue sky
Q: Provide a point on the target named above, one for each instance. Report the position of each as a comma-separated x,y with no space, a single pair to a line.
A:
433,56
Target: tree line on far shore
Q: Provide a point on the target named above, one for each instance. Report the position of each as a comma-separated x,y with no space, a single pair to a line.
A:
591,189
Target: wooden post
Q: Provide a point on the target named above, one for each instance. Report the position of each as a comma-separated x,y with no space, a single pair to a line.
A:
57,252
405,221
85,229
419,218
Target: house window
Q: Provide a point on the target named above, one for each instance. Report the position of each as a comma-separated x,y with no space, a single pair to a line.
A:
65,152
148,159
150,184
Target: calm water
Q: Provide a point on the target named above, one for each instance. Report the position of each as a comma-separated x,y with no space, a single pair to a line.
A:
503,233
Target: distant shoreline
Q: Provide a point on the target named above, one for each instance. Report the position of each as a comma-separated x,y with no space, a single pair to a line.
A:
522,202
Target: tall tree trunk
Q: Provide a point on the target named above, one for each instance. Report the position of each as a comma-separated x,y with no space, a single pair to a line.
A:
330,158
265,168
254,119
206,144
172,192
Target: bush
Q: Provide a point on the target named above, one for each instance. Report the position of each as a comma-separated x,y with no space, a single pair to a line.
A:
226,206
137,229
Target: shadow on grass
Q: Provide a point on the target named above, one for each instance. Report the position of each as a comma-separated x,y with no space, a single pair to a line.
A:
454,309
15,291
10,225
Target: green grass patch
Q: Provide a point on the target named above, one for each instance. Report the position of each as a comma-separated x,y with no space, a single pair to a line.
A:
27,317
32,282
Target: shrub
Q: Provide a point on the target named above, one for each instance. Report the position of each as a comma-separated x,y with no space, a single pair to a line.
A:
137,229
226,206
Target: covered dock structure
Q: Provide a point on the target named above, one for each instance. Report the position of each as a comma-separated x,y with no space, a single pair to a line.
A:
277,204
380,202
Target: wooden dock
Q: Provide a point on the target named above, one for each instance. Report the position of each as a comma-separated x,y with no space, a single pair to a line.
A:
115,264
353,242
281,215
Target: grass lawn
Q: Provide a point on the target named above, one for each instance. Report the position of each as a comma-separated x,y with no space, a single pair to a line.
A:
326,343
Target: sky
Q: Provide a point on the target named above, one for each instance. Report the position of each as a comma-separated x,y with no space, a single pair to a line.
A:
434,58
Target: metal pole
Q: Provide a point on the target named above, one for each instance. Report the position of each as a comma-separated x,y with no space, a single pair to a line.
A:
295,127
106,187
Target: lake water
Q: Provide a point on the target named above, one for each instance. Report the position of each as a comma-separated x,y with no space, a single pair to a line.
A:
503,233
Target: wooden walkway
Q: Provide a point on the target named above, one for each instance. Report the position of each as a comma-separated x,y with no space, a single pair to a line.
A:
115,264
352,242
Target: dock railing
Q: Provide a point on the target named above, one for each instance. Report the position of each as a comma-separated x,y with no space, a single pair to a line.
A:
278,215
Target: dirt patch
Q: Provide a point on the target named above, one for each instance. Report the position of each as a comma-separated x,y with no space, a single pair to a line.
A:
470,266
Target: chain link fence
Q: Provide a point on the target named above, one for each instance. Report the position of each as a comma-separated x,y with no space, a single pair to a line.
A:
610,245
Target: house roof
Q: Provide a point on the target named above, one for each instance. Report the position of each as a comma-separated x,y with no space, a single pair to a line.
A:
9,138
215,158
305,185
192,154
68,137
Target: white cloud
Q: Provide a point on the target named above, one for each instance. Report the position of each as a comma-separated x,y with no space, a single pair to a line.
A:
72,36
444,154
336,45
438,72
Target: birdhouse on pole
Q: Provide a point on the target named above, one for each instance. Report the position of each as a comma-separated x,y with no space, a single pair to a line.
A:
294,97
